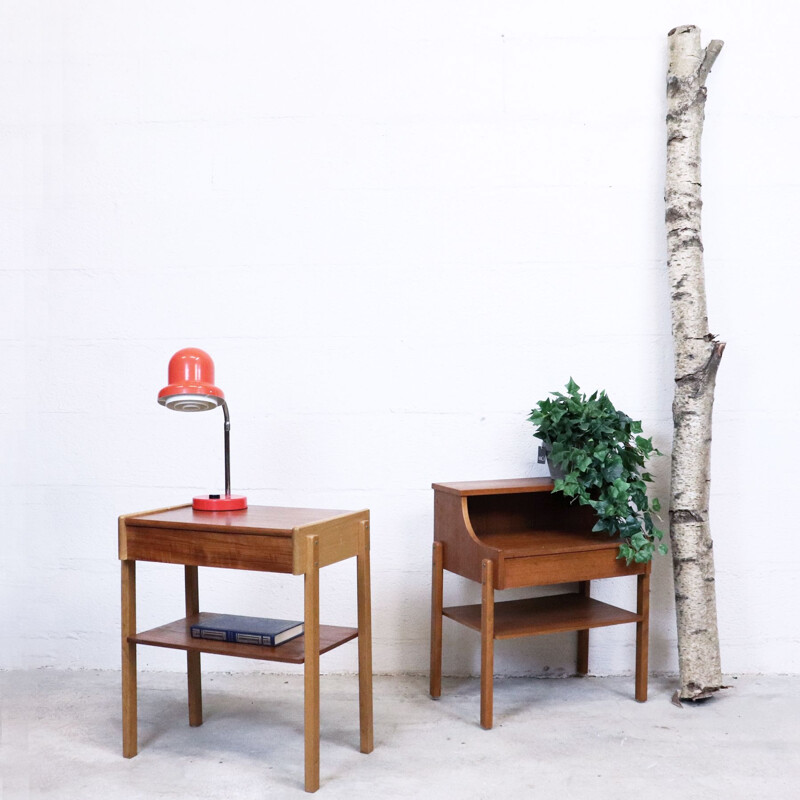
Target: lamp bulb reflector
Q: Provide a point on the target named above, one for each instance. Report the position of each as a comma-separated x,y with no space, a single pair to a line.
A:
190,402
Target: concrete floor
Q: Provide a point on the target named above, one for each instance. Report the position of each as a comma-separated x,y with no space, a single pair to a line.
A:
553,738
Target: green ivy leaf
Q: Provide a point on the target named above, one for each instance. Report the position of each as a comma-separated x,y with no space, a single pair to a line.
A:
613,470
644,444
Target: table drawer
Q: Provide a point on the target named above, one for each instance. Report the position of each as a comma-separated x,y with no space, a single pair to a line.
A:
230,550
563,568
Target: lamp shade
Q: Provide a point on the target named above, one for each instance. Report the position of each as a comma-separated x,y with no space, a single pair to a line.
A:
191,382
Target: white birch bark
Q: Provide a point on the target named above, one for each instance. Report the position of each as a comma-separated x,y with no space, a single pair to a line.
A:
697,356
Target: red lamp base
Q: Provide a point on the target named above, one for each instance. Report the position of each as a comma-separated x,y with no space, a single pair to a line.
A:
219,502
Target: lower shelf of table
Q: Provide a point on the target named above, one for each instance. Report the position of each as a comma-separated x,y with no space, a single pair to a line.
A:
177,635
538,615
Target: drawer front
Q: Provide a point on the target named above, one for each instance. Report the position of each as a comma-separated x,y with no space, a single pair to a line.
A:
584,565
203,549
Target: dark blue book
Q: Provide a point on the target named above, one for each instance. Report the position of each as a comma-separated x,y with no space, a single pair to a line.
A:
246,630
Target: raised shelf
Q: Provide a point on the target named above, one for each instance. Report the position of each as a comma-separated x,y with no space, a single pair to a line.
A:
177,635
538,615
538,542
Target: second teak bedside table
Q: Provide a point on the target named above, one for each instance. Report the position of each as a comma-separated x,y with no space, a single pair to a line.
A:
511,533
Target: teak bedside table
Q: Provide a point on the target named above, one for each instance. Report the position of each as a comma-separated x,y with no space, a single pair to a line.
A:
290,540
512,533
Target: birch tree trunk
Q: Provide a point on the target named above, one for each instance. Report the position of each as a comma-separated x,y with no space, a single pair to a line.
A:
697,357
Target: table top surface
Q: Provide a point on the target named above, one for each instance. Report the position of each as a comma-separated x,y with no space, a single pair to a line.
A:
267,520
508,486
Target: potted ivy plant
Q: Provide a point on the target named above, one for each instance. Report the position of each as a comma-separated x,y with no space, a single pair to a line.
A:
601,457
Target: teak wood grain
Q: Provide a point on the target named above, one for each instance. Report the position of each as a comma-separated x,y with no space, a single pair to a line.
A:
193,676
504,487
514,533
204,548
437,598
537,615
311,662
364,642
568,567
177,635
257,520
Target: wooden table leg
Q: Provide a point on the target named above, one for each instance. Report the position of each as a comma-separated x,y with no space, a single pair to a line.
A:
642,634
437,601
194,680
584,588
487,643
311,666
130,745
364,642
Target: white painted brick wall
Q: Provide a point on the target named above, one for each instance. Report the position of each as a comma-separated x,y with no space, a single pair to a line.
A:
395,226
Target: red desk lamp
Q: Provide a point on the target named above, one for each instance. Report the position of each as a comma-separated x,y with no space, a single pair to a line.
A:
191,388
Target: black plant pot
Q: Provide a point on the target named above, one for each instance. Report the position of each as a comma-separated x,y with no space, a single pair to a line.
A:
555,470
